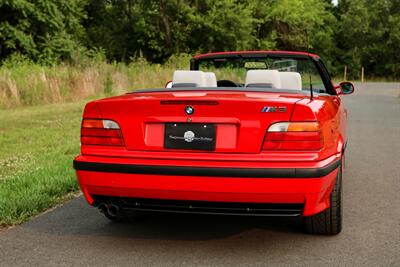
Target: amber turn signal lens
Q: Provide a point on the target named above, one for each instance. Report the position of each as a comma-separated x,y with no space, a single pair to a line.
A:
303,127
294,127
295,136
90,123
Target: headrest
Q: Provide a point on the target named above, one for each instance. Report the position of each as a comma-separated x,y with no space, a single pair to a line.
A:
188,78
211,79
291,80
263,78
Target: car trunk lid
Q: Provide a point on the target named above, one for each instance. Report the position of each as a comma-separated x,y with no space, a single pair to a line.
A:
161,121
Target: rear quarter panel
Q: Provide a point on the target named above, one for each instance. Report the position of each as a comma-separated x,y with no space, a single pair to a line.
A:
329,112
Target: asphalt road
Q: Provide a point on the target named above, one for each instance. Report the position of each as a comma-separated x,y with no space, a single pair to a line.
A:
76,234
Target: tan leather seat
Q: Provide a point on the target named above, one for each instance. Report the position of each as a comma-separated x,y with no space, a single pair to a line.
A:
211,79
291,80
263,78
189,78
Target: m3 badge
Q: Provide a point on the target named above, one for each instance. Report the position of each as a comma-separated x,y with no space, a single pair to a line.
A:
271,109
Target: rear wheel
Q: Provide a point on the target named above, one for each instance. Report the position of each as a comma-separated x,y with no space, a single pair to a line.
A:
328,222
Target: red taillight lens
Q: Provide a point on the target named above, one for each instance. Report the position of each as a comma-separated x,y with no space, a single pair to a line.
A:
101,133
293,136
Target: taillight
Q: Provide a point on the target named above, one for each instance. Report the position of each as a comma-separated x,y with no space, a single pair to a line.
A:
293,136
100,132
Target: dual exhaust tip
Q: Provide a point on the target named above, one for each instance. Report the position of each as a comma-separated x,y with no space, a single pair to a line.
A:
109,209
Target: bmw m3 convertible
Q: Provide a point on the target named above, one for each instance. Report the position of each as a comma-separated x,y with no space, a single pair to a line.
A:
259,133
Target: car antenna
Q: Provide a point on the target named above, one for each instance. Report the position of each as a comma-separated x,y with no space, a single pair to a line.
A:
308,52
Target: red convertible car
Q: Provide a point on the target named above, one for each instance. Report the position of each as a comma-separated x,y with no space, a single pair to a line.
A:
259,133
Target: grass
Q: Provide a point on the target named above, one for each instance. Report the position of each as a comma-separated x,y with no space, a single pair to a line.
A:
29,84
40,111
37,145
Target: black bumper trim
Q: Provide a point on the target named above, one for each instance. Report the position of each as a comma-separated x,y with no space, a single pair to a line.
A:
207,171
202,207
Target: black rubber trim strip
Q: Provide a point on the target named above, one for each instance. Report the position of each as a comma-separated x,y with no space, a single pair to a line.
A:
207,171
222,89
344,147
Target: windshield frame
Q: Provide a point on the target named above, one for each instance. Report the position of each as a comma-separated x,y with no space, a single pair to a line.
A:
196,62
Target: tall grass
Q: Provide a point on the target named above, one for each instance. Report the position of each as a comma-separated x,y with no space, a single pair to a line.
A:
28,84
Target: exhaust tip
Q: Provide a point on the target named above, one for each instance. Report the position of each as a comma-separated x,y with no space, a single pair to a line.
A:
102,208
113,210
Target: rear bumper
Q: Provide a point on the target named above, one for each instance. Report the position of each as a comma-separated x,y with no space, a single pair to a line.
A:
305,183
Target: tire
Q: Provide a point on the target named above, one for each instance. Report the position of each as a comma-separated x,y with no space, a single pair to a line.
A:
328,222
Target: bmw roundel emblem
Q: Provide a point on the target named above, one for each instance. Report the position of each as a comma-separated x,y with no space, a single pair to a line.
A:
189,110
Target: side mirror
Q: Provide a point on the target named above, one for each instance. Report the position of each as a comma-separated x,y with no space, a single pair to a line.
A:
346,88
168,84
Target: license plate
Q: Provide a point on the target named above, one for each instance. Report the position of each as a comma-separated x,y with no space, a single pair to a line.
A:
193,136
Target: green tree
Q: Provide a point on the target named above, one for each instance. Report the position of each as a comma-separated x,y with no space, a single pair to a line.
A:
352,33
295,25
46,31
355,33
393,66
158,29
222,26
368,36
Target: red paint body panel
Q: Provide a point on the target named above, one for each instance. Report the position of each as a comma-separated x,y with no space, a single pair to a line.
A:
241,129
137,113
314,193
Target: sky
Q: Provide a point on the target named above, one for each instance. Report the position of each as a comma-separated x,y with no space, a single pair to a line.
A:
335,2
